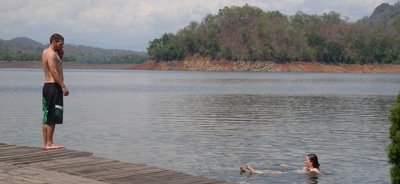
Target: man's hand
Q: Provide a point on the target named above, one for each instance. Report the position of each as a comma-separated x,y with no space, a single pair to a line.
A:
61,53
65,91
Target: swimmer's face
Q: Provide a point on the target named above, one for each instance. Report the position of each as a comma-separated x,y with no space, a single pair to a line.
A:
308,162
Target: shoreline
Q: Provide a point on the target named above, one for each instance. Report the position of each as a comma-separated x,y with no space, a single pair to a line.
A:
207,65
66,65
201,64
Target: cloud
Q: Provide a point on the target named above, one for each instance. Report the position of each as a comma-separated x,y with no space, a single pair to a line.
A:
200,10
130,24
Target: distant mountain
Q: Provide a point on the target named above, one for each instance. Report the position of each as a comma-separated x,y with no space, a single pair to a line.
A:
21,44
26,49
25,40
384,14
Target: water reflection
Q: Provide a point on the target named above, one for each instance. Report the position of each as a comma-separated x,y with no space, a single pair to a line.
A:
312,178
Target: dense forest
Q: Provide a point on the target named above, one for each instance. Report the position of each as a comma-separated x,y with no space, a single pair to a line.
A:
25,49
248,33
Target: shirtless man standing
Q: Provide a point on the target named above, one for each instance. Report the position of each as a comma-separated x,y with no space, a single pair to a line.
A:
53,90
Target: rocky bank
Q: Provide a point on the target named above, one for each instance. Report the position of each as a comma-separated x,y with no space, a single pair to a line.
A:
201,64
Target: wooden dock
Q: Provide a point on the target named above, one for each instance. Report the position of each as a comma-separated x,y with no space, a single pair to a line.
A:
22,164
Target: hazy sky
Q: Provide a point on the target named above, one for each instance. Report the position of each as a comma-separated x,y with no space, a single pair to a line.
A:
131,24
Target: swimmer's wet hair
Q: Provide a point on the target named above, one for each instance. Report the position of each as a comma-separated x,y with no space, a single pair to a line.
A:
314,160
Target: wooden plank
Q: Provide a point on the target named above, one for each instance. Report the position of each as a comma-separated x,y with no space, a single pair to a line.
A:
55,163
16,151
89,172
5,146
49,157
113,171
15,147
79,168
21,152
74,166
28,174
26,153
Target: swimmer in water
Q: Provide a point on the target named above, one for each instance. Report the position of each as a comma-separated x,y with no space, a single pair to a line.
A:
311,162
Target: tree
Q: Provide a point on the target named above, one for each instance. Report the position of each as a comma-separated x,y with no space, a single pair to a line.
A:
333,53
213,48
244,32
228,53
394,147
154,50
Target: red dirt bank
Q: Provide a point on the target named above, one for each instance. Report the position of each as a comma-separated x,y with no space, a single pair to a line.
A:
298,66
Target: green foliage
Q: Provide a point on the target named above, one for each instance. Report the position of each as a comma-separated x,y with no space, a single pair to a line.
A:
333,52
228,53
394,147
244,32
213,48
212,31
188,36
315,40
164,49
396,23
395,174
19,56
249,33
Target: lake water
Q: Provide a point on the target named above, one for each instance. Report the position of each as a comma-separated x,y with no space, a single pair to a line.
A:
210,123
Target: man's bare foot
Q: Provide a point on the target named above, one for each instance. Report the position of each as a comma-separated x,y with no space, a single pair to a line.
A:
52,146
58,146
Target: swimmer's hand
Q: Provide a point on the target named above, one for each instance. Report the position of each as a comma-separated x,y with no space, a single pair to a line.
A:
242,169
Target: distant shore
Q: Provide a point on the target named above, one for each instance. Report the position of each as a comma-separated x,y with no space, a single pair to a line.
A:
206,65
268,66
70,65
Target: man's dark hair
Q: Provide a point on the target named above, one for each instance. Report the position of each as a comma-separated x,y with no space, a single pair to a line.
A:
56,37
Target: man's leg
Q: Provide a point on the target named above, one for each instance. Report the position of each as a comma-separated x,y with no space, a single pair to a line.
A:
48,132
44,130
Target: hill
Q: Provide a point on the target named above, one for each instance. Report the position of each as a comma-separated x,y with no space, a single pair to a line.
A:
26,49
248,33
384,14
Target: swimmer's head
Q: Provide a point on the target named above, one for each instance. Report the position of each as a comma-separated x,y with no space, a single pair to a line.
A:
314,160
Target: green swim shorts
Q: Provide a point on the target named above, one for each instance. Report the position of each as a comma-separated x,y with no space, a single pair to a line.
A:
52,102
